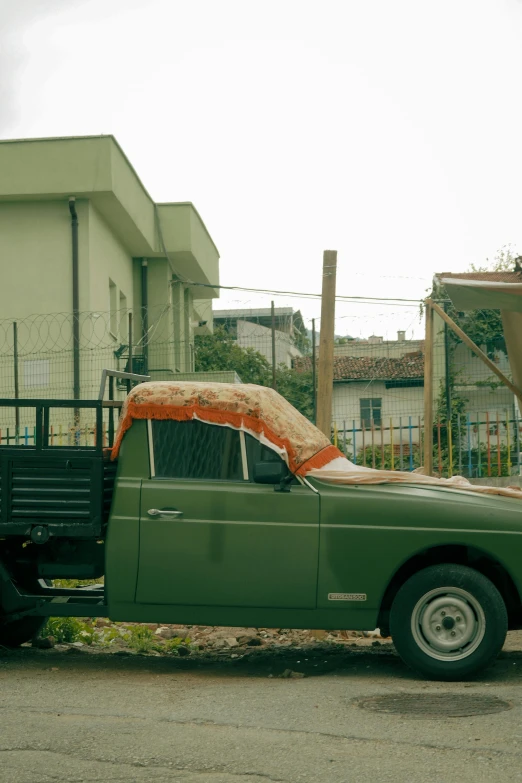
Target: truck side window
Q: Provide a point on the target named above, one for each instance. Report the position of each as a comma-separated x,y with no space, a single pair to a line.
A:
257,452
195,450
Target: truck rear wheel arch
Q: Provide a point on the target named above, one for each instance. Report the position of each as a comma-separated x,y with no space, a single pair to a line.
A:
462,555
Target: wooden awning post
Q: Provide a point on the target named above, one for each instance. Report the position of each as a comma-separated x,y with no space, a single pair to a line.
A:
428,391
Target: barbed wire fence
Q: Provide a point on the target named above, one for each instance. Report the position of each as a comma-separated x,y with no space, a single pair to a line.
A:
37,356
378,394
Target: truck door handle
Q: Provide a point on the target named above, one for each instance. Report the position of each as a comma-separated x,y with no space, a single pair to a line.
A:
167,513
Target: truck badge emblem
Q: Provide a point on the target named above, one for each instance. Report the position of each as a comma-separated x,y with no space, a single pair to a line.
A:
347,596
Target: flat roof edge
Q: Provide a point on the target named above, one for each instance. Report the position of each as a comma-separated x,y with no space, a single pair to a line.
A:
189,204
113,139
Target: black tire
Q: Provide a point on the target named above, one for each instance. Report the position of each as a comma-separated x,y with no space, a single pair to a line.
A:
15,633
440,607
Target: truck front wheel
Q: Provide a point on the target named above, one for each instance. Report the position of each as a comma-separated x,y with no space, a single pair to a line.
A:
448,622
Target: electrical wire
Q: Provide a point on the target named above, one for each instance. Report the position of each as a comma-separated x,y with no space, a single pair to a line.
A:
397,301
304,295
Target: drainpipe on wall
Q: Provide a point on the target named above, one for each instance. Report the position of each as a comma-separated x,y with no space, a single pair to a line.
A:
145,313
75,299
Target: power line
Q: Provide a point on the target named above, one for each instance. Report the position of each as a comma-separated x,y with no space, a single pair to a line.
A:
394,300
303,295
187,281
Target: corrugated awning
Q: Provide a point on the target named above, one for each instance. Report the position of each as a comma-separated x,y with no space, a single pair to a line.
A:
477,294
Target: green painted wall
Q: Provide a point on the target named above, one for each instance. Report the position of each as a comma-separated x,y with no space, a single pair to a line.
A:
96,168
187,239
118,225
161,317
48,168
108,259
35,247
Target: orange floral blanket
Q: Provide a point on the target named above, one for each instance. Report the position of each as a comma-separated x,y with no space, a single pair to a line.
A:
255,409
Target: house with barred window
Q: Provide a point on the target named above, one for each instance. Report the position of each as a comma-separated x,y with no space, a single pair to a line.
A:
378,394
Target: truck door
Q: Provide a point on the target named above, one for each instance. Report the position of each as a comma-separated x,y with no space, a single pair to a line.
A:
211,537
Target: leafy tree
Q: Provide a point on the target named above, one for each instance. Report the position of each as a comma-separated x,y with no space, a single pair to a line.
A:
297,388
502,261
302,342
219,352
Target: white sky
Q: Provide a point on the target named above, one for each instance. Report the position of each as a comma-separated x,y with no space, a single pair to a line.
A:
390,131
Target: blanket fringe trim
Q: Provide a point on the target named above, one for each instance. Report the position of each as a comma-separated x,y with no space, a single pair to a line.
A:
212,416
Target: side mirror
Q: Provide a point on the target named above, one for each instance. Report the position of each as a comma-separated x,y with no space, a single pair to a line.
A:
270,472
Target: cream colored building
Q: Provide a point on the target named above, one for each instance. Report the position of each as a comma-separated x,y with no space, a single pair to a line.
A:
378,394
156,261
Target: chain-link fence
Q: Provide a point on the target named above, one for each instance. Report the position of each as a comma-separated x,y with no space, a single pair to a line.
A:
378,394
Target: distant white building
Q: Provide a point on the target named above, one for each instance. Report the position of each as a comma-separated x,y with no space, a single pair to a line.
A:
378,394
252,328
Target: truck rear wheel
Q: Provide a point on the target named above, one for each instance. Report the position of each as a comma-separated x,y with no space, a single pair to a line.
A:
16,632
13,633
448,622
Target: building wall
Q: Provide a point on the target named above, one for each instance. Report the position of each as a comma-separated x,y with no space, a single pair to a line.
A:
389,349
162,305
109,260
118,225
255,336
35,258
471,370
396,407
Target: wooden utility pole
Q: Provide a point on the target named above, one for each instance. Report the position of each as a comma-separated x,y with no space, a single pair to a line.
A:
428,392
326,344
314,372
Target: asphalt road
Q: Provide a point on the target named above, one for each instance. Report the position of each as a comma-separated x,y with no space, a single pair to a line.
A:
103,717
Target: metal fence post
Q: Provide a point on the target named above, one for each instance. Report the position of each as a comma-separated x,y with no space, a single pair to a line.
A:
16,383
129,382
272,310
519,445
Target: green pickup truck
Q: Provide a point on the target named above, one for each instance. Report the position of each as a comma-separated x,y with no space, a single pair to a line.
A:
205,513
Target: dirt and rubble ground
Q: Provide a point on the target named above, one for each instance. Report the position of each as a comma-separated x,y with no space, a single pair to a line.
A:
101,634
285,707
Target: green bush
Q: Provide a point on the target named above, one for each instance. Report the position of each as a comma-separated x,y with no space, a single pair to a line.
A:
172,645
108,635
376,453
69,629
141,639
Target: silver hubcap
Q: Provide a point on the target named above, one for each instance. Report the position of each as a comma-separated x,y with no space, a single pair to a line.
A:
448,623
